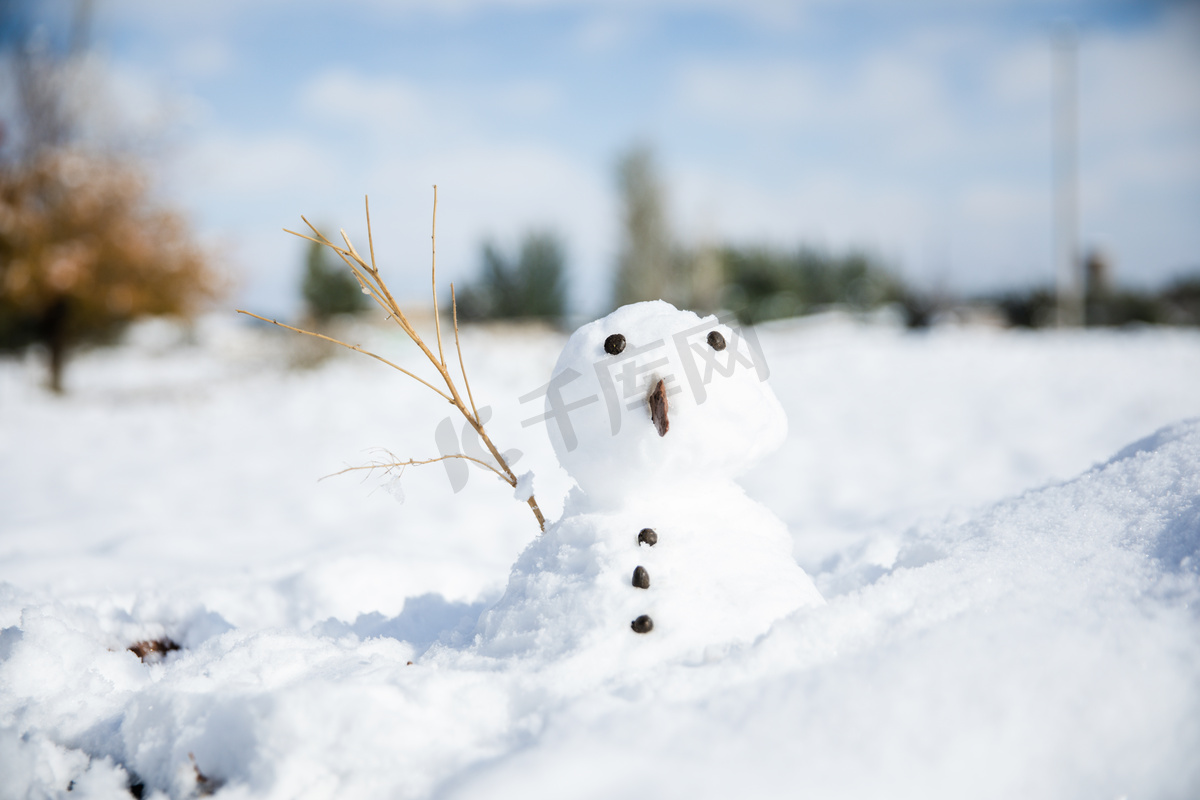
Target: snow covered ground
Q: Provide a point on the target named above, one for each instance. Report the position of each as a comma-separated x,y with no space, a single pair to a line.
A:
1005,526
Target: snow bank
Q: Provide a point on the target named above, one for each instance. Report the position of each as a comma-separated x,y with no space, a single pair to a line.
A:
1046,648
1043,645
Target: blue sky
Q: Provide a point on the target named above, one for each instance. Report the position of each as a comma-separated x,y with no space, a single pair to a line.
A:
918,131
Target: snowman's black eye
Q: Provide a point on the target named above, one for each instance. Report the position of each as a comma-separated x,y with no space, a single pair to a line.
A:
616,343
716,341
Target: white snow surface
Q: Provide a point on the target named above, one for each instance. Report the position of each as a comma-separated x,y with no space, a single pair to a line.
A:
718,570
1005,527
721,573
723,415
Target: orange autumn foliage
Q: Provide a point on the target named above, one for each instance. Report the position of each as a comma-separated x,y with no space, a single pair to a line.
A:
84,249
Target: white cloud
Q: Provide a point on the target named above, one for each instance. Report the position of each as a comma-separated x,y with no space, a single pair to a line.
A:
1138,84
601,33
895,101
528,98
122,106
1005,205
829,209
929,133
382,105
205,58
500,192
244,189
1019,77
246,166
958,137
250,187
217,15
751,94
1140,146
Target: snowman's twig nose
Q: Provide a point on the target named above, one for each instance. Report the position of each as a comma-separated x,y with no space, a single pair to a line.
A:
657,399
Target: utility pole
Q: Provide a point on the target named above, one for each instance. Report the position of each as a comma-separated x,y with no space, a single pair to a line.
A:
1066,180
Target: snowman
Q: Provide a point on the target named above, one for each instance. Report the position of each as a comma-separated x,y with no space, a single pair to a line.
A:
659,554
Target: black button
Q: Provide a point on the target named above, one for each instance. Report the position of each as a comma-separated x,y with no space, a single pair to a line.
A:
641,578
614,344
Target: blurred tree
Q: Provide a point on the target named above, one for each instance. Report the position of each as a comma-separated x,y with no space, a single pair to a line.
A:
651,266
764,284
531,285
1032,308
84,250
702,266
1106,304
645,268
328,286
1182,300
84,246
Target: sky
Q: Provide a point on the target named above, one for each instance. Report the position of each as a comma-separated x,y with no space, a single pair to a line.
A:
920,132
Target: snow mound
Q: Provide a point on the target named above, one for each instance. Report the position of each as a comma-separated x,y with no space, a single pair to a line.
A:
721,573
1047,647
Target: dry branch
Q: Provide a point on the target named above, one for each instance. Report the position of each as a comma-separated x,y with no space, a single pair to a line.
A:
387,466
368,277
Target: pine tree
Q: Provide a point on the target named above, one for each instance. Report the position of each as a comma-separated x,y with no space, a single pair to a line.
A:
328,286
531,285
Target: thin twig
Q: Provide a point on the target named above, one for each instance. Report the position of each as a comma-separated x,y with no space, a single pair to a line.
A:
458,347
369,278
437,324
416,462
378,289
349,247
370,239
346,256
353,347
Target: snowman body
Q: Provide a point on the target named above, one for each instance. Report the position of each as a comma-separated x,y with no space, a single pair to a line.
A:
659,553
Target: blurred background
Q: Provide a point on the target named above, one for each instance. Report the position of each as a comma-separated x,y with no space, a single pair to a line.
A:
899,190
1020,162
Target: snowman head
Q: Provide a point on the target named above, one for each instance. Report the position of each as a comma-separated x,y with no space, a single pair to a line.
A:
651,396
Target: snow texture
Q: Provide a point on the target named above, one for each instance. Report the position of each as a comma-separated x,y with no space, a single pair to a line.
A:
723,417
524,488
1011,609
719,570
